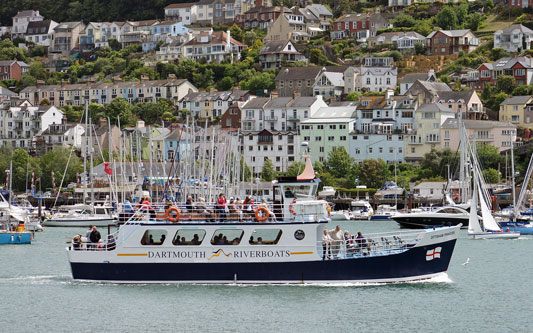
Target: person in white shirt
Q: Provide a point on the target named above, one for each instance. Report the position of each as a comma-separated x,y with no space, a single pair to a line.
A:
337,237
326,244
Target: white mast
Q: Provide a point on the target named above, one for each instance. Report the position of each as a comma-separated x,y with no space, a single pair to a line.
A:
85,145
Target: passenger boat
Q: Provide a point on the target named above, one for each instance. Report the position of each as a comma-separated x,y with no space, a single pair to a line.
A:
282,244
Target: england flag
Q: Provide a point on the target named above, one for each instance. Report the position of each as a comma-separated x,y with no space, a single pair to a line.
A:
432,254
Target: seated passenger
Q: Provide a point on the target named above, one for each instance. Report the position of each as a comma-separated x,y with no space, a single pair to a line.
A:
350,246
259,240
235,241
184,241
76,242
111,245
251,241
162,240
195,240
264,204
361,242
151,240
189,204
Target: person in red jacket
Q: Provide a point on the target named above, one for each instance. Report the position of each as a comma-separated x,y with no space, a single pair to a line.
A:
221,206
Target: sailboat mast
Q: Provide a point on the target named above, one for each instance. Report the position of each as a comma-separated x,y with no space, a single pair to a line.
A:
91,166
85,153
515,210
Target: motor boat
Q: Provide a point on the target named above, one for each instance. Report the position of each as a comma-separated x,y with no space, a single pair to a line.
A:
384,212
361,210
341,215
443,216
327,192
81,215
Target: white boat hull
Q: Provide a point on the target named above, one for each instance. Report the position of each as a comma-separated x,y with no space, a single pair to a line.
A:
97,222
494,235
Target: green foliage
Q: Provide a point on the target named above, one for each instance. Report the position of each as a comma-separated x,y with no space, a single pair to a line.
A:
236,33
225,84
373,173
269,173
446,19
153,113
295,169
404,21
489,156
353,96
420,48
505,83
317,57
339,163
8,51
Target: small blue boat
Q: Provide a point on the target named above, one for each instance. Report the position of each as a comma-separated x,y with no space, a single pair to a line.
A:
524,227
14,237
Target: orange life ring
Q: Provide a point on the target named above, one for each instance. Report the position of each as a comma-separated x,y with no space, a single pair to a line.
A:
173,209
262,218
291,209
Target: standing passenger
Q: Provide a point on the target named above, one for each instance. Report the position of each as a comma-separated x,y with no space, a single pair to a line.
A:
326,245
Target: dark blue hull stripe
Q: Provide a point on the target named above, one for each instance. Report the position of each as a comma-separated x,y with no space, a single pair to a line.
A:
411,263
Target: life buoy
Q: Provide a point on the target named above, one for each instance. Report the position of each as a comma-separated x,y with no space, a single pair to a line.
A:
264,217
169,216
291,207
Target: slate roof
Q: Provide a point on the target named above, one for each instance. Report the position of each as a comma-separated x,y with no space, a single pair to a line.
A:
516,100
475,124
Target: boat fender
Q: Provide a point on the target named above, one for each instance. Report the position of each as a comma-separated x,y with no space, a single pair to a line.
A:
291,207
262,217
170,217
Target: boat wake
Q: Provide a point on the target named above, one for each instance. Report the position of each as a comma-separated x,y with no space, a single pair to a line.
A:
36,279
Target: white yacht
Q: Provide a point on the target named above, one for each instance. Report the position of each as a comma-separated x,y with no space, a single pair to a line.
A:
81,215
361,210
327,192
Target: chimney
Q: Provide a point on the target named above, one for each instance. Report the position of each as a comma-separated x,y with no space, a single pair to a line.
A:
228,38
296,94
40,83
273,94
389,94
212,90
117,78
102,122
171,76
63,83
144,78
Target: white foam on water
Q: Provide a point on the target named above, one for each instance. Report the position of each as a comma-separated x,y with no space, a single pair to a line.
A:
36,279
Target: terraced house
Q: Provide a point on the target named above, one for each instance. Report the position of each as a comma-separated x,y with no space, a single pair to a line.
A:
103,93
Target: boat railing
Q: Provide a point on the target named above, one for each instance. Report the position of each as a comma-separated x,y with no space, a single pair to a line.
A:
211,213
83,244
370,245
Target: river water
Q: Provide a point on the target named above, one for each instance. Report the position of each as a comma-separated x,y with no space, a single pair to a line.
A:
492,293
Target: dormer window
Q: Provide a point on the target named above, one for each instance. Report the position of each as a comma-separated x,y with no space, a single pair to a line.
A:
365,103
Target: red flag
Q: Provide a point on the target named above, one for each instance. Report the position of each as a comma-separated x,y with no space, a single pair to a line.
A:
107,169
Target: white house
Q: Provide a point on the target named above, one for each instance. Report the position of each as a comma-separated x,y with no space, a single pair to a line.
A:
182,12
513,38
40,32
21,21
213,46
18,125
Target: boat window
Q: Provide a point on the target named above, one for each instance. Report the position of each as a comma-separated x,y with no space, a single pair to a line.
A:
450,211
100,211
265,237
154,237
292,191
189,237
227,237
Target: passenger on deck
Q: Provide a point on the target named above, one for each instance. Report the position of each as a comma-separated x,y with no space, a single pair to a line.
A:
337,237
326,245
128,207
88,234
221,207
95,237
361,242
264,204
189,205
76,242
232,209
202,209
259,240
111,243
248,207
350,245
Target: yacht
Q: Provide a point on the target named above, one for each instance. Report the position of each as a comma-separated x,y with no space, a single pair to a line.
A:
81,215
361,210
443,216
327,192
384,212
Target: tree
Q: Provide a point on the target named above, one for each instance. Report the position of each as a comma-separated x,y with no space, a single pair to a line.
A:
505,83
225,84
420,48
317,57
44,102
269,173
489,156
295,169
339,162
491,175
57,160
119,107
497,53
446,18
114,44
236,33
475,21
373,173
404,21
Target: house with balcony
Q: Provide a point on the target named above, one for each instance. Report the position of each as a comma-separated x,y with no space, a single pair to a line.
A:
213,46
328,129
276,53
40,32
166,31
447,42
20,124
323,13
65,38
495,133
466,102
22,20
401,40
301,81
181,12
213,103
383,123
58,135
521,68
515,110
360,26
171,50
92,37
427,136
288,26
514,38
